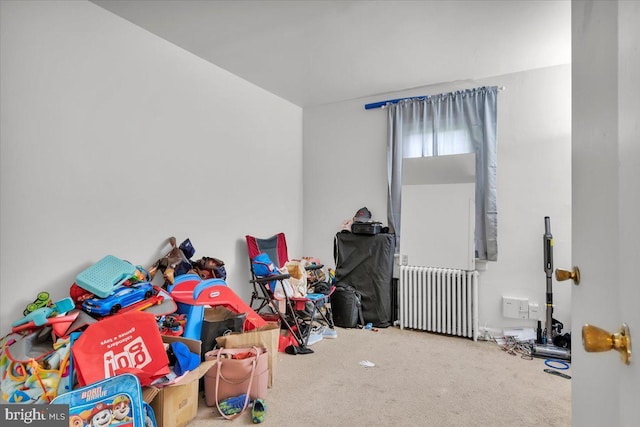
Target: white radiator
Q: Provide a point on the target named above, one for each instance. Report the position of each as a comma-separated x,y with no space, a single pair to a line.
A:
441,300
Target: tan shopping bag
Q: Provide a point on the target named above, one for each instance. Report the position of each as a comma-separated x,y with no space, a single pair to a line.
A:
267,336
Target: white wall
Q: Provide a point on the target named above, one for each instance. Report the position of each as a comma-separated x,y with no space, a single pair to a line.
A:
345,169
113,139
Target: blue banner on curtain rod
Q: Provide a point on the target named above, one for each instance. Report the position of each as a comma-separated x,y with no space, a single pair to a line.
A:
381,104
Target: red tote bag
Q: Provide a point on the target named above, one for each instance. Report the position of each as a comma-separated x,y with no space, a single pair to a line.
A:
123,343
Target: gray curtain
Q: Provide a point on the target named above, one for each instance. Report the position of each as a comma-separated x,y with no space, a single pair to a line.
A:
469,114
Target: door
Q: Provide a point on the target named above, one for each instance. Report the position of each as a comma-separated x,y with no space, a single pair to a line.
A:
605,206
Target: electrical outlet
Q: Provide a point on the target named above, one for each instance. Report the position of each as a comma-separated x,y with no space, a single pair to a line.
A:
523,309
515,308
405,259
534,311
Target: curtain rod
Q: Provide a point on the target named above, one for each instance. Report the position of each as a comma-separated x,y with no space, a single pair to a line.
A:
381,104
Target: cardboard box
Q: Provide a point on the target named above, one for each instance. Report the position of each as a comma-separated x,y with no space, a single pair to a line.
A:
176,405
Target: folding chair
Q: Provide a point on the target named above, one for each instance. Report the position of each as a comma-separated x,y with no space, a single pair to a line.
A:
301,315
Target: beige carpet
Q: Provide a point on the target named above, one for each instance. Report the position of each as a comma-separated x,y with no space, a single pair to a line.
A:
419,379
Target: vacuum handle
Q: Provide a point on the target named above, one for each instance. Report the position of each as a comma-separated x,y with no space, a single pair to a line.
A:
548,247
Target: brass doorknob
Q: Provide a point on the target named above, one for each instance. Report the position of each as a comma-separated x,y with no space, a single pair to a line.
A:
595,339
574,275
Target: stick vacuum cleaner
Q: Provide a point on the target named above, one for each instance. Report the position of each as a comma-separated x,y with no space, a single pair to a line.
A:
546,348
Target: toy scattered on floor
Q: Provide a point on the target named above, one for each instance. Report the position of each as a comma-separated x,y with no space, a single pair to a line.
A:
59,324
172,324
43,300
192,294
103,277
233,405
78,294
39,316
258,411
237,404
140,275
123,297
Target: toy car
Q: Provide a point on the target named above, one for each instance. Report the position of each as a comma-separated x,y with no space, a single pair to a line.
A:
123,296
172,324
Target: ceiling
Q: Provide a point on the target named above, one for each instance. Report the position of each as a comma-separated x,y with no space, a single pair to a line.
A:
319,52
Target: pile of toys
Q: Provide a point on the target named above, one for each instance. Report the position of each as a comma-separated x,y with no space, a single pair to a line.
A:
112,286
35,356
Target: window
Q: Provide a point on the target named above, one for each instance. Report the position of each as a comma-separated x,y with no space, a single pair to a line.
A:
451,123
447,143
